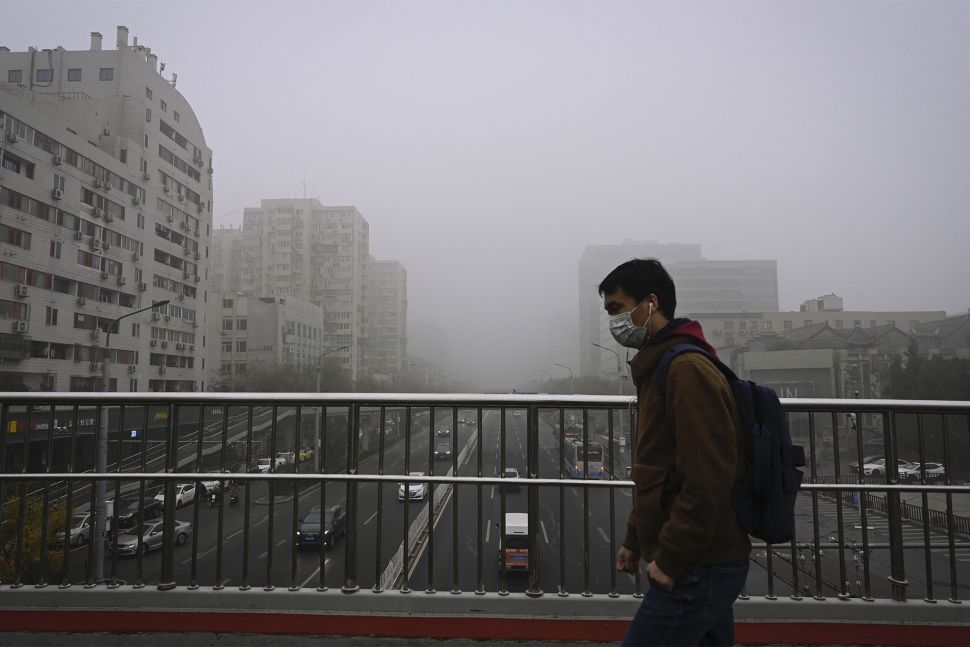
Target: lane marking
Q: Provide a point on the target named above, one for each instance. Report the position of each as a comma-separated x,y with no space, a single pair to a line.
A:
315,573
370,518
606,539
279,544
488,530
492,497
543,526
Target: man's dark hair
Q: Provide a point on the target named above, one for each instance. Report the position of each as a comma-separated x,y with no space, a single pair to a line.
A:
640,278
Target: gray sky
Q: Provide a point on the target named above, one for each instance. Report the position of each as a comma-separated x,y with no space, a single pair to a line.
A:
487,143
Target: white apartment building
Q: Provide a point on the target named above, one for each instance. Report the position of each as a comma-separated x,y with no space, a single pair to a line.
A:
386,304
302,249
702,286
250,332
225,259
105,208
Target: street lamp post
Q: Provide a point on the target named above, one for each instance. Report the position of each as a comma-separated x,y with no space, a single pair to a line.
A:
101,458
316,432
572,385
619,370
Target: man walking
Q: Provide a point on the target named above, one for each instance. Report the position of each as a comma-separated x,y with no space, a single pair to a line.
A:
687,459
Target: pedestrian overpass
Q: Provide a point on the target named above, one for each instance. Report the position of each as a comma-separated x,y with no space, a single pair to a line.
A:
880,558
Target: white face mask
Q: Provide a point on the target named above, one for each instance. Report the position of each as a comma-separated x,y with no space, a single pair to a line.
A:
626,333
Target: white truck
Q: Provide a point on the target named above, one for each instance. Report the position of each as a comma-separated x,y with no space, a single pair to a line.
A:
513,546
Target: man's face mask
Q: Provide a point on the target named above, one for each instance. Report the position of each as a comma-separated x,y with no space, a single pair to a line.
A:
626,333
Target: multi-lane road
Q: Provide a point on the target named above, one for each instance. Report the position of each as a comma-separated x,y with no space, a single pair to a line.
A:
578,529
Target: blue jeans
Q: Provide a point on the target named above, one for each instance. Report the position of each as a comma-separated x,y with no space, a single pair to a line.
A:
698,611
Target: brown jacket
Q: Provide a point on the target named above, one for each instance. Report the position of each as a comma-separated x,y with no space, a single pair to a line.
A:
685,462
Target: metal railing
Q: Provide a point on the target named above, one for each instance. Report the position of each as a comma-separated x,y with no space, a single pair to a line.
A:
410,482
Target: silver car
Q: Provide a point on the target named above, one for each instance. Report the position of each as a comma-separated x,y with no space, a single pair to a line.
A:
80,530
151,534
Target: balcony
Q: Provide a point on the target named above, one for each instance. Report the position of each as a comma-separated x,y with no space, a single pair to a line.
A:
878,559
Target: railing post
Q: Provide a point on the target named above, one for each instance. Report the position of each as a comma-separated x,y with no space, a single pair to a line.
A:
166,579
897,577
532,456
350,559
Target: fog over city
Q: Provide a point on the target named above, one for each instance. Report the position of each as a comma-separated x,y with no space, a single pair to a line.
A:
488,143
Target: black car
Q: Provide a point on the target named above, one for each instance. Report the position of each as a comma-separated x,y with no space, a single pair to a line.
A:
334,525
442,450
128,511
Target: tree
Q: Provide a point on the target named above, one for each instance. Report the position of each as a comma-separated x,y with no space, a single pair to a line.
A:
30,563
915,377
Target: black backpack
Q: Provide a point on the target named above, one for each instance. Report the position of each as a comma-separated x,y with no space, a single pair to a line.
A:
764,500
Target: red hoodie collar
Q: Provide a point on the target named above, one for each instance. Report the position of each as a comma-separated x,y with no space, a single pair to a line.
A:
682,328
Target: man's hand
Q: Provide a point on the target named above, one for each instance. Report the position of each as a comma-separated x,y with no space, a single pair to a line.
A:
627,561
659,577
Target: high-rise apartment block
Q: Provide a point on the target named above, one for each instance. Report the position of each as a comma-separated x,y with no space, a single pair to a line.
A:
386,305
105,208
310,253
702,286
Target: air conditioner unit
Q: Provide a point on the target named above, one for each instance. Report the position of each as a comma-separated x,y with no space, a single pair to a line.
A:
132,368
20,326
57,194
198,256
97,213
105,275
122,280
108,217
156,316
95,366
12,137
179,346
170,218
97,183
181,197
168,317
142,286
20,291
191,348
57,160
81,301
153,343
146,175
95,244
135,256
161,370
107,186
164,344
166,190
95,334
78,235
136,201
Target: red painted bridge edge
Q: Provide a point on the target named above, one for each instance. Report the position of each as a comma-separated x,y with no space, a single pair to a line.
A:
752,633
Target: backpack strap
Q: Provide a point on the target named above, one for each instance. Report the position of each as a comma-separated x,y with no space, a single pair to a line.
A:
679,349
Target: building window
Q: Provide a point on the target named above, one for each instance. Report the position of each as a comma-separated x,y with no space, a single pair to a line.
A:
227,303
728,325
240,346
59,182
136,330
74,74
766,325
176,115
148,93
227,324
123,155
15,76
55,249
164,105
51,318
742,325
240,368
45,76
808,322
227,347
107,74
857,323
787,325
872,323
839,324
140,221
148,118
240,324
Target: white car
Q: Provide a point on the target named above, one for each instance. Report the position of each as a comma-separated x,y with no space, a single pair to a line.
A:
934,471
444,431
184,495
80,530
878,467
262,465
416,491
